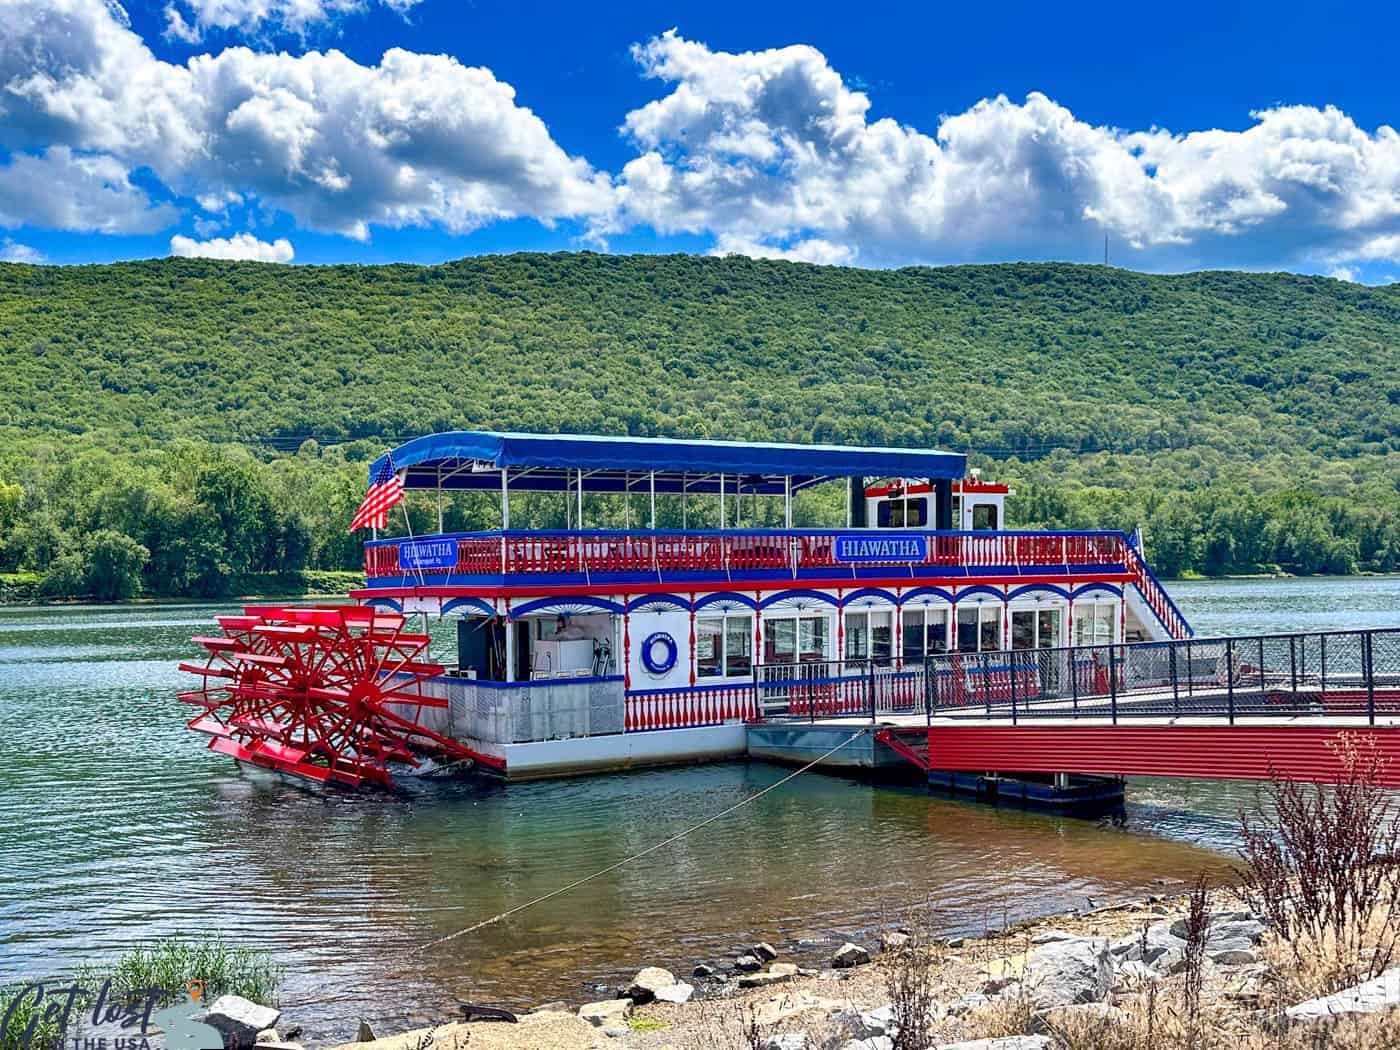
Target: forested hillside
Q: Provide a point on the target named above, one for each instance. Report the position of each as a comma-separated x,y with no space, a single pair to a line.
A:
1247,420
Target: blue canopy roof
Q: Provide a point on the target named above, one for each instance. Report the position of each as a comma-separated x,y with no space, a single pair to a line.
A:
466,459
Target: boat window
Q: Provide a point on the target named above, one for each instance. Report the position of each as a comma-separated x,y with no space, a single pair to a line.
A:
782,642
811,638
989,636
857,636
1047,629
984,517
738,645
1093,622
908,513
967,629
723,646
870,635
925,632
1023,629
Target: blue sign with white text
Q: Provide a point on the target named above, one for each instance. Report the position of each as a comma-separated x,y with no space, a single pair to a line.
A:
877,547
428,554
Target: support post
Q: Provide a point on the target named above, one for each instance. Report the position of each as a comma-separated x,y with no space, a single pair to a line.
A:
870,678
653,500
1176,684
580,497
505,517
1074,677
1011,664
787,502
721,500
1113,682
1369,654
1230,676
1293,666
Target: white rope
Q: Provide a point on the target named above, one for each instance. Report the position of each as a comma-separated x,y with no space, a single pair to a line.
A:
638,856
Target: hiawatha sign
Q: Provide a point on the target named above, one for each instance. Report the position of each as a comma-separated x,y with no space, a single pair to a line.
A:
878,547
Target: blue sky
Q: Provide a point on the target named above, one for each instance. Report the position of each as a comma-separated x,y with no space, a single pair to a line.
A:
1221,135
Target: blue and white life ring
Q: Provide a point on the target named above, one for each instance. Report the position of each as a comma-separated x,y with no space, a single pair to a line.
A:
667,644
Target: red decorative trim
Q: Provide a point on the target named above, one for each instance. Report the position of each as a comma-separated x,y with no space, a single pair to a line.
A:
758,586
1240,752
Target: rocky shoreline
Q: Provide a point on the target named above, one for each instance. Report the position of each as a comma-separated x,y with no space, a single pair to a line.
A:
1031,986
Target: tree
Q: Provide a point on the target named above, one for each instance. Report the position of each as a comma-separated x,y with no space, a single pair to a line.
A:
113,563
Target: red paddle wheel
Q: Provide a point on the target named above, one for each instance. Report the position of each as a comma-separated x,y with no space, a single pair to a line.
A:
329,693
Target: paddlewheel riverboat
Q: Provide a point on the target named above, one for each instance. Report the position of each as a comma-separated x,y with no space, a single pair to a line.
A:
643,639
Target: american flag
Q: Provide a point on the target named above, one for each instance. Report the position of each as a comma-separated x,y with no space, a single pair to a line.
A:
384,491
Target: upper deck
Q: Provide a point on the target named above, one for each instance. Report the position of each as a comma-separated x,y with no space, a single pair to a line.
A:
902,507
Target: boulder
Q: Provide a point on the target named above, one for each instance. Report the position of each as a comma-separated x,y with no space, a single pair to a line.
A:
239,1020
269,1035
648,982
680,992
1003,972
968,1003
788,1041
1008,1042
894,941
1134,976
775,974
607,1012
849,955
1370,997
701,970
764,952
1161,949
364,1034
1051,936
1065,1019
747,964
848,1025
1079,970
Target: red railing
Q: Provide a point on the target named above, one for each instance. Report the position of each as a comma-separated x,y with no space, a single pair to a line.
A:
685,708
585,553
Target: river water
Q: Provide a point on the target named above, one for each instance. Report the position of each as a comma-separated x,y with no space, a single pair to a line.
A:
116,826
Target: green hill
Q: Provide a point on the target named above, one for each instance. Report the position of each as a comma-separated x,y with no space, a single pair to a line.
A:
1110,397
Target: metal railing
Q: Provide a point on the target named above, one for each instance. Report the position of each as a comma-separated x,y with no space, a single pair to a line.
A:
1331,674
779,550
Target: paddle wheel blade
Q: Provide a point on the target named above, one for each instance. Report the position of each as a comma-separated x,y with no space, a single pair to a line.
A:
332,694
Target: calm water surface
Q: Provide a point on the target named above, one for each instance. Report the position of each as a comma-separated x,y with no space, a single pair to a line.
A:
115,825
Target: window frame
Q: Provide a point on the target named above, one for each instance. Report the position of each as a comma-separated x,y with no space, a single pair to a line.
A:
725,621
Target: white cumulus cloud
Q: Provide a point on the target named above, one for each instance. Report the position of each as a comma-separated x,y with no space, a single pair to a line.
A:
771,150
13,251
414,140
66,190
239,246
190,20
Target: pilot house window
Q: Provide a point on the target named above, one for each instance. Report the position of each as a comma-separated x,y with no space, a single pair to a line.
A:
903,513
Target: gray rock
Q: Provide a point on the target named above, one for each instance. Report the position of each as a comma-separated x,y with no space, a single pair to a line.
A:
1079,970
269,1035
874,1042
1009,1042
556,1007
1059,1019
747,964
894,941
848,1025
701,970
648,982
1051,936
955,942
968,1003
365,1034
764,951
680,992
849,955
778,973
606,1013
1133,976
240,1020
1164,951
789,1041
282,1046
1233,956
1371,997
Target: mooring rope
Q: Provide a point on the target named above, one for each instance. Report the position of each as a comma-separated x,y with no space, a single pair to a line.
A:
639,855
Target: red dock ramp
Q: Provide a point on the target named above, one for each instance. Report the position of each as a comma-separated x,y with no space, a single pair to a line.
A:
1244,751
